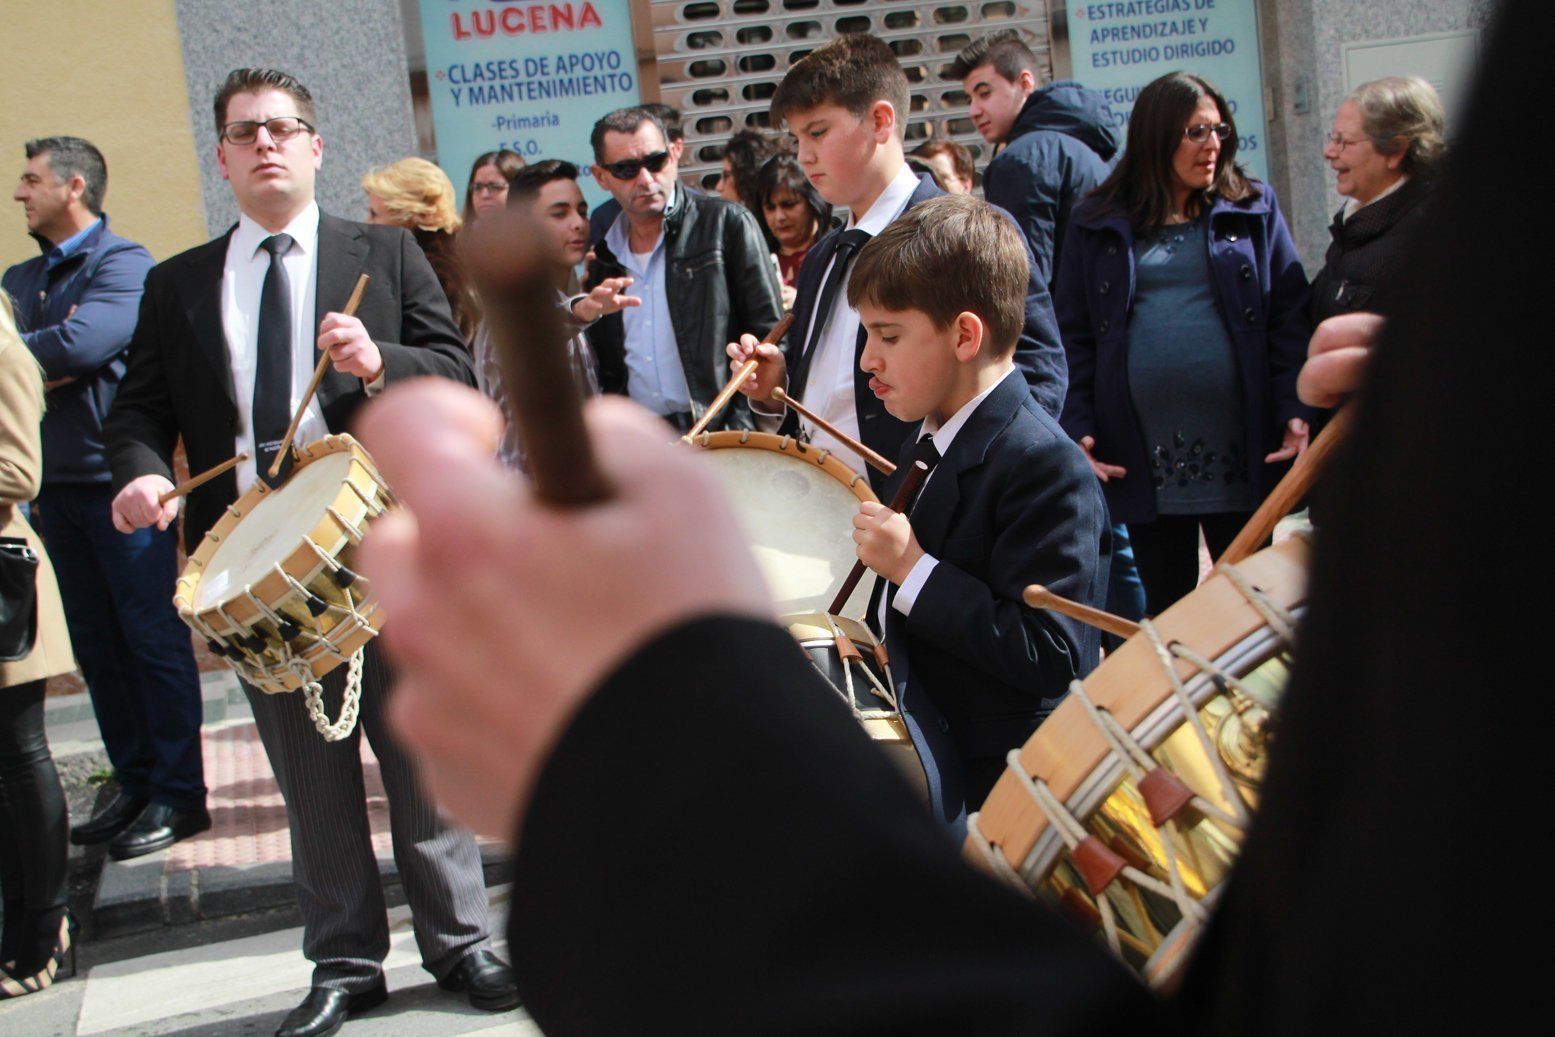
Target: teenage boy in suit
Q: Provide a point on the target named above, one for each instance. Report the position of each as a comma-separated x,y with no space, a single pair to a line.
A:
847,104
1008,500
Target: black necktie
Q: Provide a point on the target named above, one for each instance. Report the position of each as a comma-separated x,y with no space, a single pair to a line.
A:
849,243
273,363
924,450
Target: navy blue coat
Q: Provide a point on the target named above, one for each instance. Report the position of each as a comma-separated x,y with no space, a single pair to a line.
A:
1060,149
102,280
1039,355
1261,292
1013,502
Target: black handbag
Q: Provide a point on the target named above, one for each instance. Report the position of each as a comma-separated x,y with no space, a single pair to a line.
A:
18,599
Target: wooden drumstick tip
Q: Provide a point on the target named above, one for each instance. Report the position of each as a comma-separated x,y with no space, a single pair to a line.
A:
200,480
1039,597
313,386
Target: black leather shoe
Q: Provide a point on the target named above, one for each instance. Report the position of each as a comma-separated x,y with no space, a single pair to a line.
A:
158,827
115,818
324,1010
486,978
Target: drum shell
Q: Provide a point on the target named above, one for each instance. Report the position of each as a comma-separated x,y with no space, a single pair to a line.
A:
1012,834
361,496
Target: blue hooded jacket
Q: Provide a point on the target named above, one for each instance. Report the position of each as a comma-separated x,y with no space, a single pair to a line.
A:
1060,148
77,319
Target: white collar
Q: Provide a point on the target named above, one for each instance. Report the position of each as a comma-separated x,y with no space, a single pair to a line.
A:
304,230
890,203
1351,206
945,434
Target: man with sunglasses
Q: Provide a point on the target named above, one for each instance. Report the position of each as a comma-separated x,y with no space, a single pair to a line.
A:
698,263
226,342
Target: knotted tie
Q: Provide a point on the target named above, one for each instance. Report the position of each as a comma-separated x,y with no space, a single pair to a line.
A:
272,411
847,245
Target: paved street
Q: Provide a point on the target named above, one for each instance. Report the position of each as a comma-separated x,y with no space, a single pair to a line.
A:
204,938
236,976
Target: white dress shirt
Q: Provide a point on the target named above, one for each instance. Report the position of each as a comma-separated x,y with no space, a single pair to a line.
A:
655,376
943,435
828,388
242,280
1351,206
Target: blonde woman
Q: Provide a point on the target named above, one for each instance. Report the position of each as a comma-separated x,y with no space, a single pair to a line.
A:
417,195
38,929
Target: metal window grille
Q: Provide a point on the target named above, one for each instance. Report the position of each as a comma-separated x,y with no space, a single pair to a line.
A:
719,61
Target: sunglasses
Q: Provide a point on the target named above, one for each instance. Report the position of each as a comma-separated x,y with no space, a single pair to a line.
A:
1199,132
628,168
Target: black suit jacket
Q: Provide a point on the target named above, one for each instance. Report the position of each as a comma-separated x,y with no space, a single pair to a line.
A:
1039,355
179,381
774,880
1013,502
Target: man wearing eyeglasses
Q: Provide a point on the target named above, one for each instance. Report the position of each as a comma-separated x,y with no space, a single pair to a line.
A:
698,263
226,343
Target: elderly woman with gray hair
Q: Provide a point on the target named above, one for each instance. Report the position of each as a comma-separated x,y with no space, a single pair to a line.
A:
1386,146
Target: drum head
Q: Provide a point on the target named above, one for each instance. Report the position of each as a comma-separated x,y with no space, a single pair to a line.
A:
276,526
796,506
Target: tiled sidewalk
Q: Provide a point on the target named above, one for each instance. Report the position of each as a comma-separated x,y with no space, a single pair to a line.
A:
244,862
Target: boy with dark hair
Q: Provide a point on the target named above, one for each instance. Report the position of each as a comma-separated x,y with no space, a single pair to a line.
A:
1059,140
548,192
1009,499
847,104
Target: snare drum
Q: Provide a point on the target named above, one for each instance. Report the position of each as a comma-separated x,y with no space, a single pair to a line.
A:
1127,807
270,588
855,665
796,505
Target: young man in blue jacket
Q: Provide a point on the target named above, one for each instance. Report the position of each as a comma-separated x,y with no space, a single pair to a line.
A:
1059,140
77,305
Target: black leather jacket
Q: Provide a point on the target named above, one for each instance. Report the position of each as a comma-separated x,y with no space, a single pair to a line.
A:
721,284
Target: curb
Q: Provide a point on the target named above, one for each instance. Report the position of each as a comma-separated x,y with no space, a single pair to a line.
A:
141,895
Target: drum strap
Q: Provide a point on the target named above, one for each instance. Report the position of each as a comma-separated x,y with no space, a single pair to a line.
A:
313,695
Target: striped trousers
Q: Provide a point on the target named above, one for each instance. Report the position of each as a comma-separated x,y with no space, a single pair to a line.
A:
344,917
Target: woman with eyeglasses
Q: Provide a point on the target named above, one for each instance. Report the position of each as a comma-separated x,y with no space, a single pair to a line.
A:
1385,149
1183,310
491,175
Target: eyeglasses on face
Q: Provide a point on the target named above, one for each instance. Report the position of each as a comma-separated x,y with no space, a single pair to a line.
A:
281,130
1199,132
628,168
1341,142
484,188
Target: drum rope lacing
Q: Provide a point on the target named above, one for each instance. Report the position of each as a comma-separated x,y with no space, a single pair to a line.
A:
880,690
1125,749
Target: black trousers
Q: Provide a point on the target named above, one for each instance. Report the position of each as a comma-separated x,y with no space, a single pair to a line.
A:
1167,552
33,823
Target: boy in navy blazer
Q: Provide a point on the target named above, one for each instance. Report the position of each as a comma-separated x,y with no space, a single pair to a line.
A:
846,103
1009,500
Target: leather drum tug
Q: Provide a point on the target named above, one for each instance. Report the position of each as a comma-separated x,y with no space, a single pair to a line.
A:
271,590
854,663
1128,806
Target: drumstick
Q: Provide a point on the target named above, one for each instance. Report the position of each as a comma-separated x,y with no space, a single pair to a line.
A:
1039,597
201,479
1289,490
313,386
871,458
899,503
522,313
746,370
